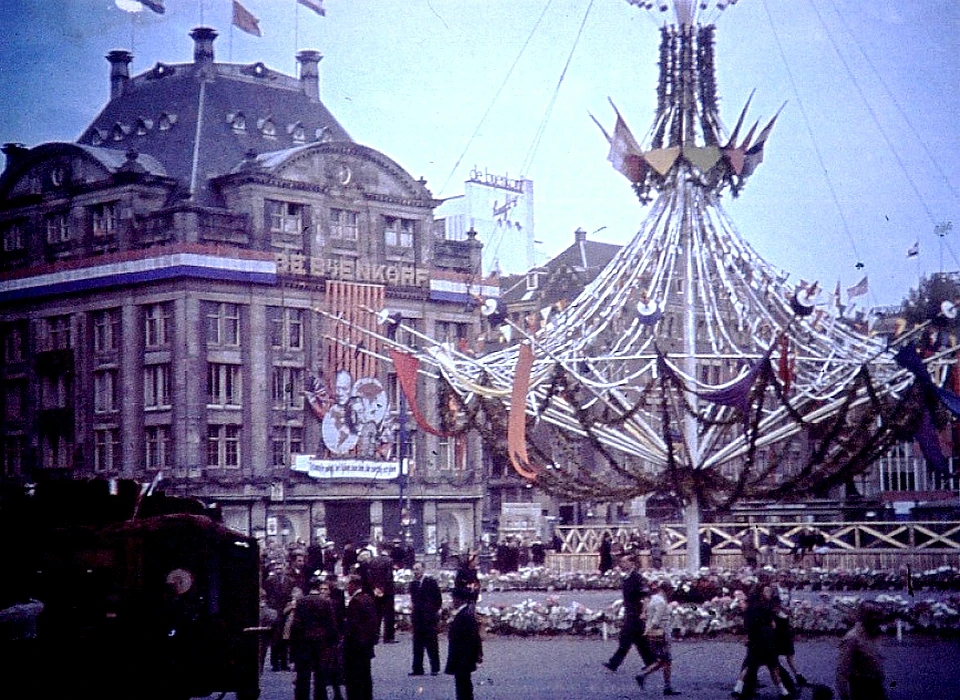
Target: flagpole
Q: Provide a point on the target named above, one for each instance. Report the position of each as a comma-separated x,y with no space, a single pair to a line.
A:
296,33
201,13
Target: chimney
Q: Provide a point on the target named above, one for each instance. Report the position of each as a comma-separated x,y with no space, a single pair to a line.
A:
119,71
579,236
203,47
310,73
14,153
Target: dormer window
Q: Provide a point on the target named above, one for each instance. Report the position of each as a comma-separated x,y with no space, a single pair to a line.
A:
297,132
97,137
323,134
143,126
238,121
119,131
533,281
267,128
166,121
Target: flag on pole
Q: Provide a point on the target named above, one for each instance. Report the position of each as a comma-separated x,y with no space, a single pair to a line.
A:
914,250
858,290
315,5
155,5
244,20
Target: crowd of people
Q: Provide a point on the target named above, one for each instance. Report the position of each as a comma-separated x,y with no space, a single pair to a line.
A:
769,643
329,635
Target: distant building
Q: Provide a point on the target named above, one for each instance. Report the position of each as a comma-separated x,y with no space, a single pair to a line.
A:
169,303
500,210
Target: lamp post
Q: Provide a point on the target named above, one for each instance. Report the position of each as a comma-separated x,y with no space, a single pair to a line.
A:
403,465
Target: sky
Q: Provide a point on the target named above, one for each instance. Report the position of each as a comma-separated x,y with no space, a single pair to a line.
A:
863,163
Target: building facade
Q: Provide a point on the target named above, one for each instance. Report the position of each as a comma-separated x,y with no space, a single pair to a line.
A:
190,295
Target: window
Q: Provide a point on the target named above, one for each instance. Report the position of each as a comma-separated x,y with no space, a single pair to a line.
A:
106,330
223,324
105,398
450,332
287,441
56,452
452,454
12,236
106,449
54,333
158,447
288,387
223,385
13,350
286,328
14,399
156,386
223,446
55,391
105,219
398,233
344,225
156,331
13,450
58,228
284,217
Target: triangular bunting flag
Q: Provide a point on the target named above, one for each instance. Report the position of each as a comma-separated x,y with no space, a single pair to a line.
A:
662,159
703,157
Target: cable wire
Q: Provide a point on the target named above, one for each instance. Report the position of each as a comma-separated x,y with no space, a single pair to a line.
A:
496,96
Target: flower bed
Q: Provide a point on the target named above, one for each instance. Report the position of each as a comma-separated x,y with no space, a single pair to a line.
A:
711,602
712,583
723,615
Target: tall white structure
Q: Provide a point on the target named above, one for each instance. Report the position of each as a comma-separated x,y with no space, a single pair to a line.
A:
500,209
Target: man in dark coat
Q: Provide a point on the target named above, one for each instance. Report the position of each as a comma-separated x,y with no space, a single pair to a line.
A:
466,648
377,576
632,632
313,635
425,601
278,587
349,559
359,639
467,579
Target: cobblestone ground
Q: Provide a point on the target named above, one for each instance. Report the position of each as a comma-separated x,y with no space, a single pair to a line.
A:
566,668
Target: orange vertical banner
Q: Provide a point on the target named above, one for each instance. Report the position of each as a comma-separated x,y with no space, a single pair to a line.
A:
517,421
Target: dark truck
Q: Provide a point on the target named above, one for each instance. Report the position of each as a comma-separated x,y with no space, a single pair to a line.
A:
109,590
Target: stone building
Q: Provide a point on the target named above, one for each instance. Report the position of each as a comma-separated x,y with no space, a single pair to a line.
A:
172,305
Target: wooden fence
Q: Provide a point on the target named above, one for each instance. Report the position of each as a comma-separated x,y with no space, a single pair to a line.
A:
848,545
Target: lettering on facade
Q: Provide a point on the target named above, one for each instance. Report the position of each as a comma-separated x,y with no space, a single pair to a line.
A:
349,270
503,182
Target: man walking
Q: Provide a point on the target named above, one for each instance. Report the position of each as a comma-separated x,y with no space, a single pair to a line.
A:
631,634
657,633
426,601
359,639
466,648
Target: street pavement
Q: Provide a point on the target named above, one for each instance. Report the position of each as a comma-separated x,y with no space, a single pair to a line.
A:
569,668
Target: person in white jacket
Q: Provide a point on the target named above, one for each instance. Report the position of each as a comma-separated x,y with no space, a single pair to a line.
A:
657,632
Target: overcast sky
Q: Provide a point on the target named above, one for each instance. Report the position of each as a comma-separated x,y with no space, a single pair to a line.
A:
863,162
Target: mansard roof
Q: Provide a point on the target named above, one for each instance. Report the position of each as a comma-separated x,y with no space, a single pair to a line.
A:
201,119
